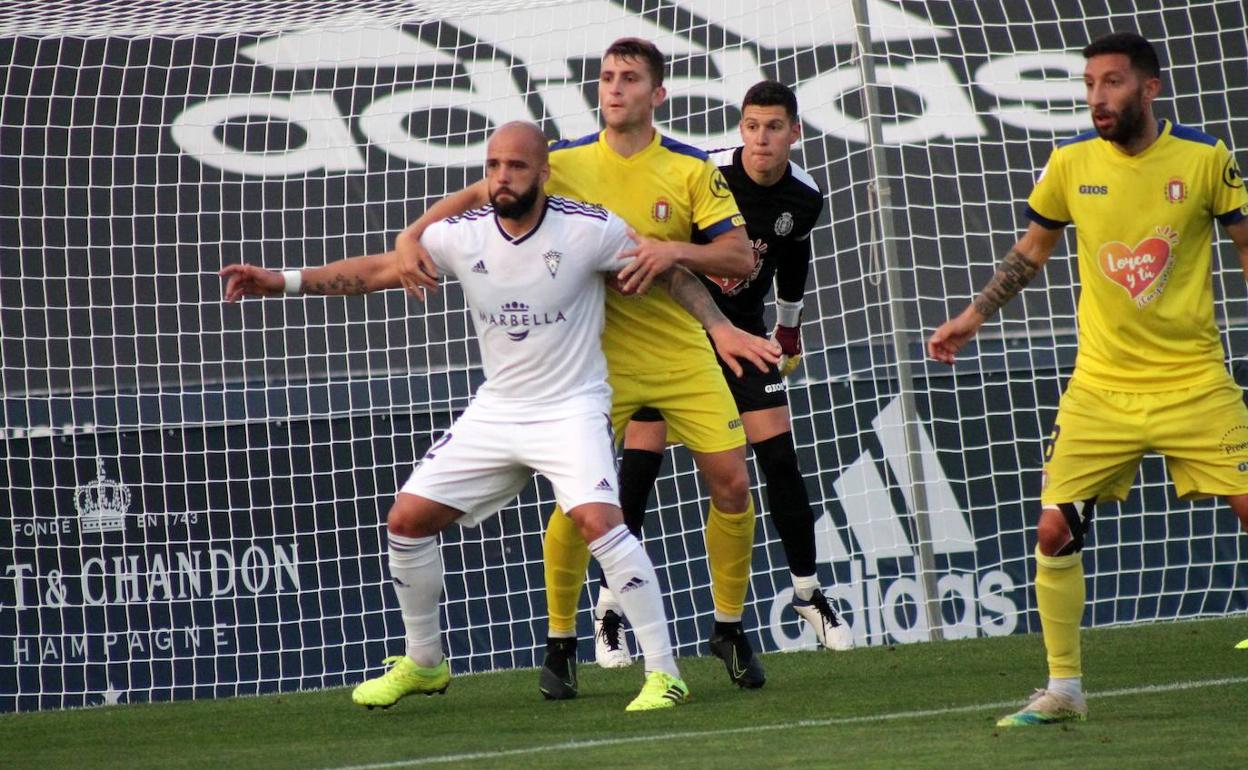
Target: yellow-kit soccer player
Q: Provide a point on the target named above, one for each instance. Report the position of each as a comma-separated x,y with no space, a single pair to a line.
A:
1150,376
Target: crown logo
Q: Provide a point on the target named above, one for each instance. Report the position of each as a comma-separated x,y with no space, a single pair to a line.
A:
102,504
515,307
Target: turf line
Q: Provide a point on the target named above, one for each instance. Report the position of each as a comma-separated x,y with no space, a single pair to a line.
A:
595,743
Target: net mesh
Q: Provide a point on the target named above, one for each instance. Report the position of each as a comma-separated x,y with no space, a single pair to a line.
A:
196,490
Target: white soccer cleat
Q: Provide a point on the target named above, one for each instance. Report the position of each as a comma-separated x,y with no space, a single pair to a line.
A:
1047,707
830,629
610,646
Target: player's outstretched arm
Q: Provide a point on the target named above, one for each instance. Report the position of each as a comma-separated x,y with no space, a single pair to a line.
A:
357,275
732,344
1019,265
729,254
416,270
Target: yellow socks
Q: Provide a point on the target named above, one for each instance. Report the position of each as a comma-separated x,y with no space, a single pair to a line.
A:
566,558
1060,595
729,548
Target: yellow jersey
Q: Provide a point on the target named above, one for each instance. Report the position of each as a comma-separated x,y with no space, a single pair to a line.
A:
665,191
1144,228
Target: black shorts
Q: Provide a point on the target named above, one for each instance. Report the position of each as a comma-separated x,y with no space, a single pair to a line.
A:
753,391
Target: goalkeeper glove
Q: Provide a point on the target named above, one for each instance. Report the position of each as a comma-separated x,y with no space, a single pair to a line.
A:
788,333
790,340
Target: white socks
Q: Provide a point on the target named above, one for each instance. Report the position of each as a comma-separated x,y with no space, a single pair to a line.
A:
416,572
1071,687
804,586
607,601
636,587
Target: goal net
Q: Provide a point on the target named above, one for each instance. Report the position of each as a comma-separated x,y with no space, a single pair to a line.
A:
194,493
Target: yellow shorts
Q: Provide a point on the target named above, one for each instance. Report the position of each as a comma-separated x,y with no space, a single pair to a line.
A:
1100,436
695,402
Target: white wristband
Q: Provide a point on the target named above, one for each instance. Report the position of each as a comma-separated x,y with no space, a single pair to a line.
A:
788,313
294,281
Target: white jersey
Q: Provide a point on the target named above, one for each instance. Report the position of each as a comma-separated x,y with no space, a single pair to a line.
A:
536,302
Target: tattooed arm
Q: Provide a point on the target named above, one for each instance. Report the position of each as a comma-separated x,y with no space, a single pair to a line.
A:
1017,268
732,344
357,275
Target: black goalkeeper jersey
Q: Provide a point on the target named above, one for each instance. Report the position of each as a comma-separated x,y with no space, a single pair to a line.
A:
778,220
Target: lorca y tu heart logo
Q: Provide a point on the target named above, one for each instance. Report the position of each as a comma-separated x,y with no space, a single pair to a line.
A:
1142,270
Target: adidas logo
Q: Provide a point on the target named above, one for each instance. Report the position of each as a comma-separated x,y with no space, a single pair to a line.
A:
632,584
877,604
480,267
864,496
604,486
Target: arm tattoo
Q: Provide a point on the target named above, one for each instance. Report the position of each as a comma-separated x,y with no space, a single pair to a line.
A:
338,284
691,295
1012,276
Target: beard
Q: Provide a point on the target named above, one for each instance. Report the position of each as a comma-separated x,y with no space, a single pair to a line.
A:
1129,124
520,205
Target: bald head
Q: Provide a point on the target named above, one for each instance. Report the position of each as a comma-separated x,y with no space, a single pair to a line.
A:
516,167
523,137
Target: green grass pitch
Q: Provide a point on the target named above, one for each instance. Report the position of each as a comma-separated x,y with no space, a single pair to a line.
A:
1164,695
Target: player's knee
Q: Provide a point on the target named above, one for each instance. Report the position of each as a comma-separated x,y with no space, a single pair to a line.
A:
730,491
594,520
1062,528
402,520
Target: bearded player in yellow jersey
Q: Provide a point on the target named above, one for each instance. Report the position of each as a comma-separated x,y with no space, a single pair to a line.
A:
657,355
1150,373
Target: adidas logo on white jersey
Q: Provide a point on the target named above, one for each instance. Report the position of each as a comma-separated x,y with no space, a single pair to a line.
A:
604,486
480,267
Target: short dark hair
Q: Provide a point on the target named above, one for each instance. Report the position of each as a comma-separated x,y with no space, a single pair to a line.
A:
637,48
771,93
1141,52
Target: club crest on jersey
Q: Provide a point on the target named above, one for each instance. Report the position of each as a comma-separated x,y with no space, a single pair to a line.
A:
1176,190
661,211
784,224
551,258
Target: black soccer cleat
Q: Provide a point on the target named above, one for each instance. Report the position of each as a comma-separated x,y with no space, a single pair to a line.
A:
557,679
730,644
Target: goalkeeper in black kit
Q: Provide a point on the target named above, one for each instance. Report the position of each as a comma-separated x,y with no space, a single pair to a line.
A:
781,204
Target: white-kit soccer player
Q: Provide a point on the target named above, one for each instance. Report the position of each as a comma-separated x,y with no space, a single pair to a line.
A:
533,270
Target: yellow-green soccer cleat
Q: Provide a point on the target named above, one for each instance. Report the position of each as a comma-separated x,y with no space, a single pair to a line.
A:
404,678
661,691
1047,708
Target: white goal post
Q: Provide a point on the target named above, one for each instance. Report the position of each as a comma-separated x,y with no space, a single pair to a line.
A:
194,493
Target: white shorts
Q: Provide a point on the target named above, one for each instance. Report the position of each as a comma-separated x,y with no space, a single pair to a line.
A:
480,464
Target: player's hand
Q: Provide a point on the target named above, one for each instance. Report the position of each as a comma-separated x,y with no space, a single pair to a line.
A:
734,345
417,272
789,338
953,335
651,258
248,280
